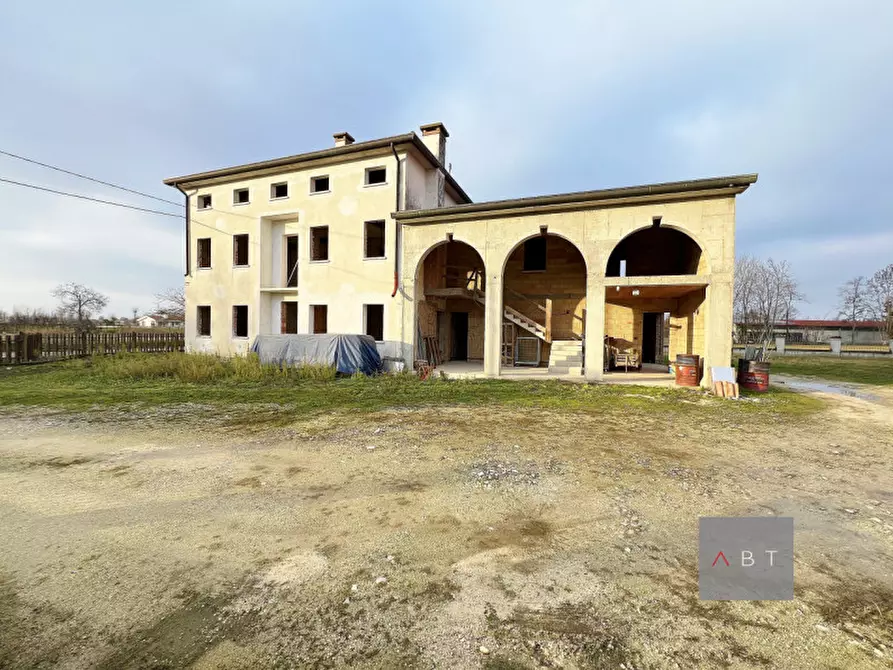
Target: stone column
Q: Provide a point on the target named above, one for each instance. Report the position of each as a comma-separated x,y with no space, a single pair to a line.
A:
493,324
717,326
594,338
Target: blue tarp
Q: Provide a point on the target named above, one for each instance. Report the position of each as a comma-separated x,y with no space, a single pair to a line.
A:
348,353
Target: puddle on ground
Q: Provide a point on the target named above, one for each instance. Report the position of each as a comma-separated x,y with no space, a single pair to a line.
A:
799,384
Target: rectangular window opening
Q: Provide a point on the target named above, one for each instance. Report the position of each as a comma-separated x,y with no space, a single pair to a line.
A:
319,243
204,201
291,260
374,235
319,184
535,254
374,319
319,319
240,249
623,267
240,196
289,313
279,191
204,252
377,175
203,319
240,320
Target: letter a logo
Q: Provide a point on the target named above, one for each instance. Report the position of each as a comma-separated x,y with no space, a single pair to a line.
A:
717,558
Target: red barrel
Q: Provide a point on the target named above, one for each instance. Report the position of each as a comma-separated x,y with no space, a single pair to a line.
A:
753,375
688,368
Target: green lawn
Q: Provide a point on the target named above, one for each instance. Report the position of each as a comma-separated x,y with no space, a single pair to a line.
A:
250,392
877,371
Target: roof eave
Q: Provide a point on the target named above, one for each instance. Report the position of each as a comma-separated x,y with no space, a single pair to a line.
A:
276,164
630,195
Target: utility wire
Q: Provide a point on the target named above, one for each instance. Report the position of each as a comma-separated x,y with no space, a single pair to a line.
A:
116,204
93,179
118,186
86,197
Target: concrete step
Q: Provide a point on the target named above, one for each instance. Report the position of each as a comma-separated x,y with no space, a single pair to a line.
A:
571,370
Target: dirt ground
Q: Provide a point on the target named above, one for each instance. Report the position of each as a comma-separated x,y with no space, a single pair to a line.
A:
450,538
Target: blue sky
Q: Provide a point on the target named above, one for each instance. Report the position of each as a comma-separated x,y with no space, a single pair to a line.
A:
538,98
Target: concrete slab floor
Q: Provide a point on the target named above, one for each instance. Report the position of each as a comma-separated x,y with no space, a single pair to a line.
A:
475,370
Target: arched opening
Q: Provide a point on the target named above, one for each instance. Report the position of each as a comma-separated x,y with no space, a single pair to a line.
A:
657,250
544,305
450,304
648,326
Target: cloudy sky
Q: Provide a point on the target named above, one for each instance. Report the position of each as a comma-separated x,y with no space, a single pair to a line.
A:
538,97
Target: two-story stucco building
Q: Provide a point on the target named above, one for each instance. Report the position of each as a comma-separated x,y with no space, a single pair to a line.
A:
378,238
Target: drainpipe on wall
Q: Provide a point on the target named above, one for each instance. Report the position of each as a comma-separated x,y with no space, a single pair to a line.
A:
188,244
396,225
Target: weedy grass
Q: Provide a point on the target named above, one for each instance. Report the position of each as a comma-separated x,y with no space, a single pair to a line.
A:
282,394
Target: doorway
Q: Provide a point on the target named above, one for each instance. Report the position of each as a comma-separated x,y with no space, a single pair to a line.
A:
289,314
459,333
652,330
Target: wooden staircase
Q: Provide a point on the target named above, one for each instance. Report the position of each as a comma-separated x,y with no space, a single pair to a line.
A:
512,315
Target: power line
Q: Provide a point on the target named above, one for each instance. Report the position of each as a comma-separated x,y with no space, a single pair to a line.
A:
118,186
86,197
116,204
93,179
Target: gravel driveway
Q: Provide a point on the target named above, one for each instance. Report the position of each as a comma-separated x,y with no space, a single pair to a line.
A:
441,537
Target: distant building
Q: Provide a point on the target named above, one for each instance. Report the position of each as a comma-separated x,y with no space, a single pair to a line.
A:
814,331
160,321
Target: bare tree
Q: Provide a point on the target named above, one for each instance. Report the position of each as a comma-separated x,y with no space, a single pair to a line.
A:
853,304
746,274
766,293
171,301
879,298
79,302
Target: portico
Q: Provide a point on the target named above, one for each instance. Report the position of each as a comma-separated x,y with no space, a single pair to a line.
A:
563,281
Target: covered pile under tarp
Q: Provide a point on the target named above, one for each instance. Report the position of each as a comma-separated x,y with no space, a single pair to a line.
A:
348,353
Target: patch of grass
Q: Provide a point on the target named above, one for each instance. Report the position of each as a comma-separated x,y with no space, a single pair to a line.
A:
878,371
255,394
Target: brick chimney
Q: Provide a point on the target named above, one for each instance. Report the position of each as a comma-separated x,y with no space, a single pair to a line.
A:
435,135
343,139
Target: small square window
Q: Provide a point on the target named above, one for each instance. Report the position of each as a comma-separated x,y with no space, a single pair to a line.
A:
204,201
535,254
319,243
279,191
319,184
374,321
204,252
203,319
240,249
240,196
375,176
374,239
240,320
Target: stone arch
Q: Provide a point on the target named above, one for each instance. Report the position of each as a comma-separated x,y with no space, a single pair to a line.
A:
450,279
658,250
544,282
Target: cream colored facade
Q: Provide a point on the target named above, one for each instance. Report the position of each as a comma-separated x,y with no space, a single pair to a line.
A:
347,282
423,207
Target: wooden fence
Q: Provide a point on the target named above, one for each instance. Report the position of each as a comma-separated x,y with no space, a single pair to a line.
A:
42,347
